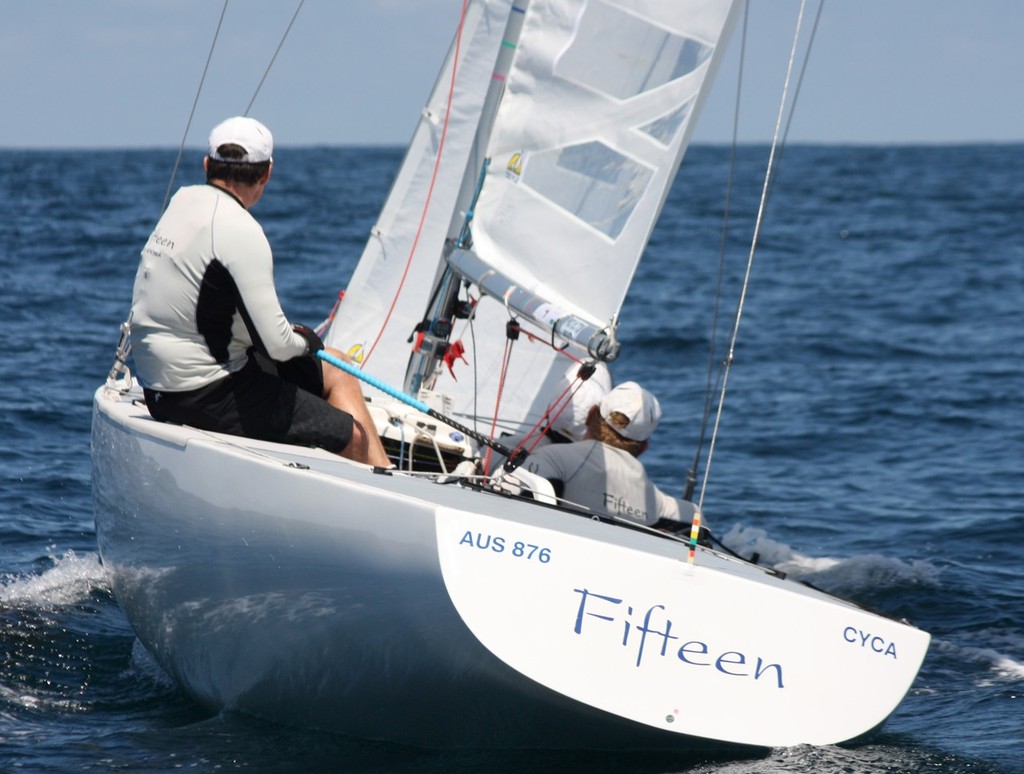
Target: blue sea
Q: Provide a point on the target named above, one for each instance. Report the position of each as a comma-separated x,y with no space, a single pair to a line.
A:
872,438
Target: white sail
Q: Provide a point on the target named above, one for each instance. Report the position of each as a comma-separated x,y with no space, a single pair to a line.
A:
581,162
383,302
424,609
598,109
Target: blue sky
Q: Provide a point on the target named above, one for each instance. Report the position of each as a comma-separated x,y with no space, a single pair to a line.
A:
124,73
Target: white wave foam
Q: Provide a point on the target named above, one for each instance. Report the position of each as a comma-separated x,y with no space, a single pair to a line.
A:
995,655
1007,668
72,579
35,701
863,759
865,571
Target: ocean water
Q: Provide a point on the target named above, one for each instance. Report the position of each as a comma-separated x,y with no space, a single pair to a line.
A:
872,440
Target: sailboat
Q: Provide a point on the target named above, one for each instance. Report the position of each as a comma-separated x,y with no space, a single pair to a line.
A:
429,604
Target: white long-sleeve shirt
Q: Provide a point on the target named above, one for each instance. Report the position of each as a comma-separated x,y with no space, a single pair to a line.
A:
607,480
204,294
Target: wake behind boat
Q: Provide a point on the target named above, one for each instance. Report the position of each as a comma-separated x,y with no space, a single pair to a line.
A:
435,606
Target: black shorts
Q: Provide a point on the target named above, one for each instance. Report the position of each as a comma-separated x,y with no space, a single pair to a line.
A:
266,399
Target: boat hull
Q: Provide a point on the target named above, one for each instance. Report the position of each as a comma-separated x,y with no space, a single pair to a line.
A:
300,587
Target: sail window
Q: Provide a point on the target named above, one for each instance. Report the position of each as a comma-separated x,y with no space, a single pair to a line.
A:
597,184
622,55
664,129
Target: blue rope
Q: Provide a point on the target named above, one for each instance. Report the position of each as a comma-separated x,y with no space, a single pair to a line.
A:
471,209
373,381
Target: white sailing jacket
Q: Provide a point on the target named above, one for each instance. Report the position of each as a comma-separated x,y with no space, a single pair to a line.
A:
204,294
606,480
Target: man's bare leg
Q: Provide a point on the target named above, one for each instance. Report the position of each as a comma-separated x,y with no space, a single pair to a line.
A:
343,391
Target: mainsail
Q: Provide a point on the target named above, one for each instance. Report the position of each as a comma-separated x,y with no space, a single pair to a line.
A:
598,106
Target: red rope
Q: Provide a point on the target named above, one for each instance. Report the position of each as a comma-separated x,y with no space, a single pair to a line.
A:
549,417
562,401
430,189
546,421
506,358
321,329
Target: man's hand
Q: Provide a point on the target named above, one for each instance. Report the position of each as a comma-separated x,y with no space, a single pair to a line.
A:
313,342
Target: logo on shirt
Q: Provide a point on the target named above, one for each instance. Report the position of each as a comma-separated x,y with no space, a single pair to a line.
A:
618,504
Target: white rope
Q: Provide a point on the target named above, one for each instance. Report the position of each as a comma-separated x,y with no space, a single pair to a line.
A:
202,81
750,257
274,57
195,103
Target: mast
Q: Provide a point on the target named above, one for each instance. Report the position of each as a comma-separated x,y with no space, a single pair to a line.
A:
435,330
390,288
533,182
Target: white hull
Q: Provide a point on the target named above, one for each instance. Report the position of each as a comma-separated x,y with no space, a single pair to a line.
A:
392,607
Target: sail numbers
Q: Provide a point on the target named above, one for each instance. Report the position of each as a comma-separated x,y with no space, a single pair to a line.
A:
499,544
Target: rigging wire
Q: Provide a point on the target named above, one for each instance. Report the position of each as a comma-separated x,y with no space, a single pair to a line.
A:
796,91
274,57
750,261
195,103
124,345
691,474
202,82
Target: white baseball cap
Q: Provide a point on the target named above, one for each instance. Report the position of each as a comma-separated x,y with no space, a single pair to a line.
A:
572,421
246,132
638,406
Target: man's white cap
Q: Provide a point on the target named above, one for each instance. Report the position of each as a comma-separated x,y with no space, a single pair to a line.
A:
638,406
572,421
246,132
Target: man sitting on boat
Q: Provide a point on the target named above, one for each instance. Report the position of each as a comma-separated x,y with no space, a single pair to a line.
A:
602,471
212,346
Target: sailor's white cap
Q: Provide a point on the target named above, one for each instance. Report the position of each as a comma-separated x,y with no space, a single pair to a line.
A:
637,405
248,133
